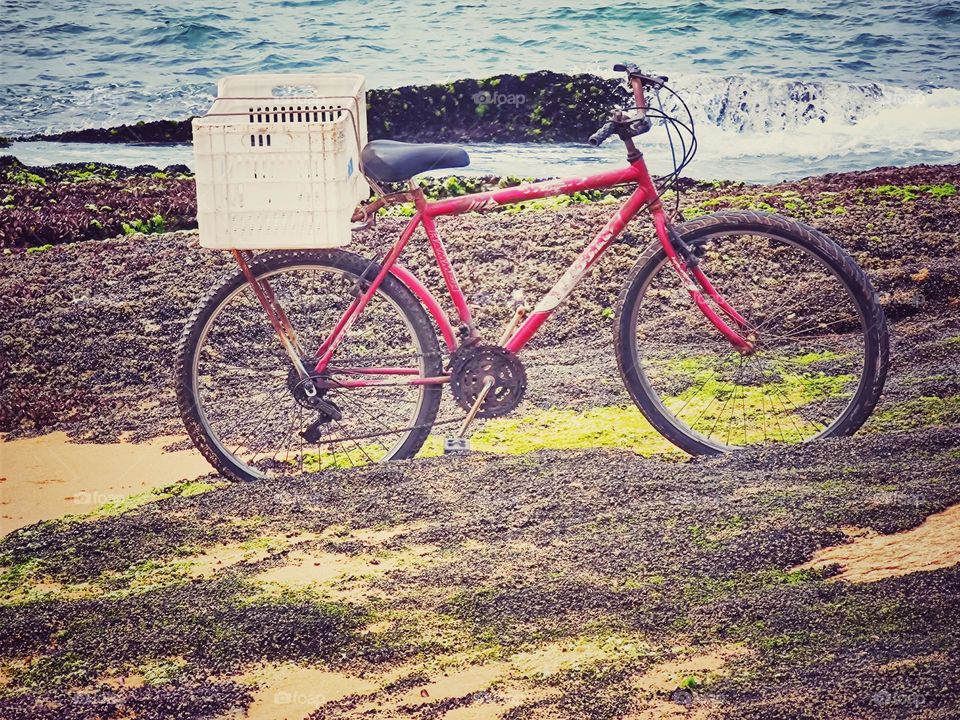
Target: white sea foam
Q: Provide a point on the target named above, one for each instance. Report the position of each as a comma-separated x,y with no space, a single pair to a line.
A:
838,127
745,103
749,128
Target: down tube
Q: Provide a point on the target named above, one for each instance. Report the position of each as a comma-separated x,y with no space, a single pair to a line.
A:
565,285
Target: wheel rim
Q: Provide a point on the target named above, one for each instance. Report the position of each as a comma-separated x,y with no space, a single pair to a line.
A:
368,432
811,361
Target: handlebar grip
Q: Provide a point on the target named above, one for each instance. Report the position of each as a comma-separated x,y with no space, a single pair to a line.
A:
602,134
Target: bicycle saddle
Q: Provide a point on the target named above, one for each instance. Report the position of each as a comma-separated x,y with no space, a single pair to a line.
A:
392,161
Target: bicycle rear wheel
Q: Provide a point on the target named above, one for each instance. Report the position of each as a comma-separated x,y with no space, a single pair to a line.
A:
244,405
821,338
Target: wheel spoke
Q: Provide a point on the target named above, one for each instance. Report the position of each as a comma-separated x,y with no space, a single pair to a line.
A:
793,388
252,406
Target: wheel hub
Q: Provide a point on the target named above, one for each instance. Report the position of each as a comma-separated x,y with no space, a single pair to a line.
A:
301,391
474,365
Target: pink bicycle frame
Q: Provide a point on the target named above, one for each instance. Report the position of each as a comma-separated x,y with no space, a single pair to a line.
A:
645,195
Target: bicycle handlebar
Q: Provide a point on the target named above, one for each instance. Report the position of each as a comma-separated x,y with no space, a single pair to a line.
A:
638,82
602,134
633,73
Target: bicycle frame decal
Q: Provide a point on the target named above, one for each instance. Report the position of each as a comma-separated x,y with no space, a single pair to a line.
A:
645,195
634,173
565,285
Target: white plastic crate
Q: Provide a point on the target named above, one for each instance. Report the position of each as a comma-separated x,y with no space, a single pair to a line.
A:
278,161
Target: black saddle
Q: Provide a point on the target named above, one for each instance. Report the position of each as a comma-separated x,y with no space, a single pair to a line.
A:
392,161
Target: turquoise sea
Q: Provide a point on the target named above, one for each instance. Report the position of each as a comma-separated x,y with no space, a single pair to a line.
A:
778,88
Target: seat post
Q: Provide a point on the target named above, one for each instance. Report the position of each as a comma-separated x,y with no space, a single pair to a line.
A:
419,199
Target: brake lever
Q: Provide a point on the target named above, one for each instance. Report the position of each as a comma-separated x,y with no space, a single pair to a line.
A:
641,126
636,121
634,73
655,81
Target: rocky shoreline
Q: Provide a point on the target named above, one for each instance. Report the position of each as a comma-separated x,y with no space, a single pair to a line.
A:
536,107
901,224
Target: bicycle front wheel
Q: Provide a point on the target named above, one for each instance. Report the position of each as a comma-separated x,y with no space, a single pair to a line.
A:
820,334
246,408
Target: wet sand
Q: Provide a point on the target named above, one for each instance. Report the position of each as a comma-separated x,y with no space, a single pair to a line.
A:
290,692
869,556
46,477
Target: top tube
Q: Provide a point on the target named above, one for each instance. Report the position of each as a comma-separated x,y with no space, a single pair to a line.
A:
633,173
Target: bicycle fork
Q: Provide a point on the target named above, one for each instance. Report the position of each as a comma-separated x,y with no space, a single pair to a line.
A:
684,261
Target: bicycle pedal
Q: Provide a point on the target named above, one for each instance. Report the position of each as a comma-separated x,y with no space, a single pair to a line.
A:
453,445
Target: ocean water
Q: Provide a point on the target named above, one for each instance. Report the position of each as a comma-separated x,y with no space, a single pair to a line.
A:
778,89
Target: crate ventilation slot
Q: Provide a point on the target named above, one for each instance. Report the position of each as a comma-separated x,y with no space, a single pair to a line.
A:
299,114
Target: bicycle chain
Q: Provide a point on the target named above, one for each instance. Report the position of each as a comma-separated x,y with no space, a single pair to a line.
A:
446,358
367,436
377,361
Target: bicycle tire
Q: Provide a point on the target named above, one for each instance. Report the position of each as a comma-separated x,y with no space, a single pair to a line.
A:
266,263
876,338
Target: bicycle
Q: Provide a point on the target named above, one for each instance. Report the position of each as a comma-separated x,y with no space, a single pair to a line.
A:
793,349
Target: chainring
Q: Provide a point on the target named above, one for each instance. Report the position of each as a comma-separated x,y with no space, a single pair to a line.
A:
473,364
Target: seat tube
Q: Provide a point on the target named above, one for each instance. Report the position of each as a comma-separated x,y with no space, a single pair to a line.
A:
446,269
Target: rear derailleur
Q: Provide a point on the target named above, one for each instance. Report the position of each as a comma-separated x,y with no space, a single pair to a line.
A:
308,395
